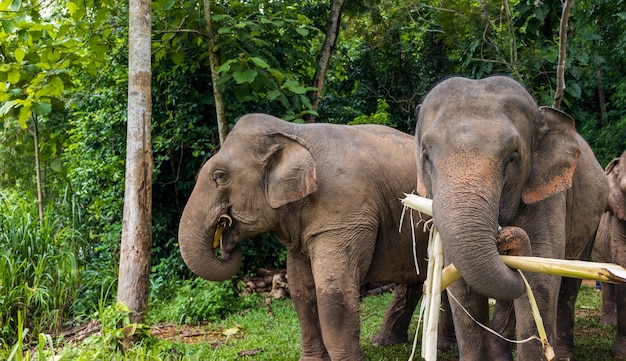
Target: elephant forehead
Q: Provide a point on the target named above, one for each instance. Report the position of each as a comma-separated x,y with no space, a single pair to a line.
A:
470,135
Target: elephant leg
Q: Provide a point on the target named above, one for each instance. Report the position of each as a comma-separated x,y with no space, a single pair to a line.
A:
302,289
472,339
337,288
609,308
565,316
503,322
398,316
446,338
618,246
618,351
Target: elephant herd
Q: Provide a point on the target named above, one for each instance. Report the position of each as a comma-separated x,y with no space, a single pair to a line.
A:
486,155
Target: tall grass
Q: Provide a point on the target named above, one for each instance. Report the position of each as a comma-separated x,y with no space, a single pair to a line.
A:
39,271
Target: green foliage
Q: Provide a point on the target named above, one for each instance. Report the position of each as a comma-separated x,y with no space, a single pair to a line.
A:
94,156
383,55
197,300
264,52
381,116
39,271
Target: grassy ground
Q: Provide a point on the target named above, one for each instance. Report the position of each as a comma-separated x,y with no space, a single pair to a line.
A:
272,333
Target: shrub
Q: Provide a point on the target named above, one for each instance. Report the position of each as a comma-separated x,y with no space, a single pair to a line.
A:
39,272
198,300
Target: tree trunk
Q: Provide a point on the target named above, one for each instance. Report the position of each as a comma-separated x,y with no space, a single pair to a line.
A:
134,271
222,122
38,168
332,32
560,71
602,99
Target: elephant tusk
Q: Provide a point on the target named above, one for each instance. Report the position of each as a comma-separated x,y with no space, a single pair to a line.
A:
217,238
223,222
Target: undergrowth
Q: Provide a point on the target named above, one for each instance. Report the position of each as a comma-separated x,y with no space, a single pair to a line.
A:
39,270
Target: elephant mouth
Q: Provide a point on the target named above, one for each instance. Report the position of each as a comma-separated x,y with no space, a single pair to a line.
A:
224,221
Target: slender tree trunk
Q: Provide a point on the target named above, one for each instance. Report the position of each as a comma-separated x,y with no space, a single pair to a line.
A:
222,122
38,168
134,272
560,72
602,99
332,32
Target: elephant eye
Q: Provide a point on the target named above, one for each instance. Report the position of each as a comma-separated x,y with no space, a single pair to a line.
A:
513,158
220,177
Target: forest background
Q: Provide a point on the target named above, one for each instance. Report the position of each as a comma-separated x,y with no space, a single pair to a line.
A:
63,97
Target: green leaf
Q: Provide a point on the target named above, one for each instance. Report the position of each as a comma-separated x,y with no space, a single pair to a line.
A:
16,5
273,94
14,76
302,31
41,108
178,57
223,68
247,76
7,106
19,54
25,113
71,7
260,62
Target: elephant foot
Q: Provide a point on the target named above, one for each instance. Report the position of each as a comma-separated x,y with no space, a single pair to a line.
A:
564,353
618,351
384,338
312,358
445,343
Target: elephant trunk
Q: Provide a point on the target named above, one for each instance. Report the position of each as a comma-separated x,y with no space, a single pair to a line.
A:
196,248
467,222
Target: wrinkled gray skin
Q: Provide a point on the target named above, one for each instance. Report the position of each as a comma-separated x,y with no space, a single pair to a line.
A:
610,247
488,156
330,194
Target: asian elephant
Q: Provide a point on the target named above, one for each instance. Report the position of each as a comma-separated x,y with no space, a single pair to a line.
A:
610,247
330,194
488,156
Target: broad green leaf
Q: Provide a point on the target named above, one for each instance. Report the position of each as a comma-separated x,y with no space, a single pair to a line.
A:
7,106
247,76
302,31
224,30
41,108
178,57
25,113
260,62
273,94
71,7
14,76
9,25
16,5
19,54
167,4
223,68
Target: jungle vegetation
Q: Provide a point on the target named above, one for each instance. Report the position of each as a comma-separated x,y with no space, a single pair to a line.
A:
63,96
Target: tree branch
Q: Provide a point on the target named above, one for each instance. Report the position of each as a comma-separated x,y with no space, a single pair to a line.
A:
560,71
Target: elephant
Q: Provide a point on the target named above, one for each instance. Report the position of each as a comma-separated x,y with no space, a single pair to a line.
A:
610,246
331,194
489,157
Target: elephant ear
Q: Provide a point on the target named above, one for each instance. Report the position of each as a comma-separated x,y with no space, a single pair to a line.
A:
421,188
290,171
555,156
616,203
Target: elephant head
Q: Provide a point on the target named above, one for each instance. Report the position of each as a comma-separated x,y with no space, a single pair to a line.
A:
616,174
485,150
260,168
